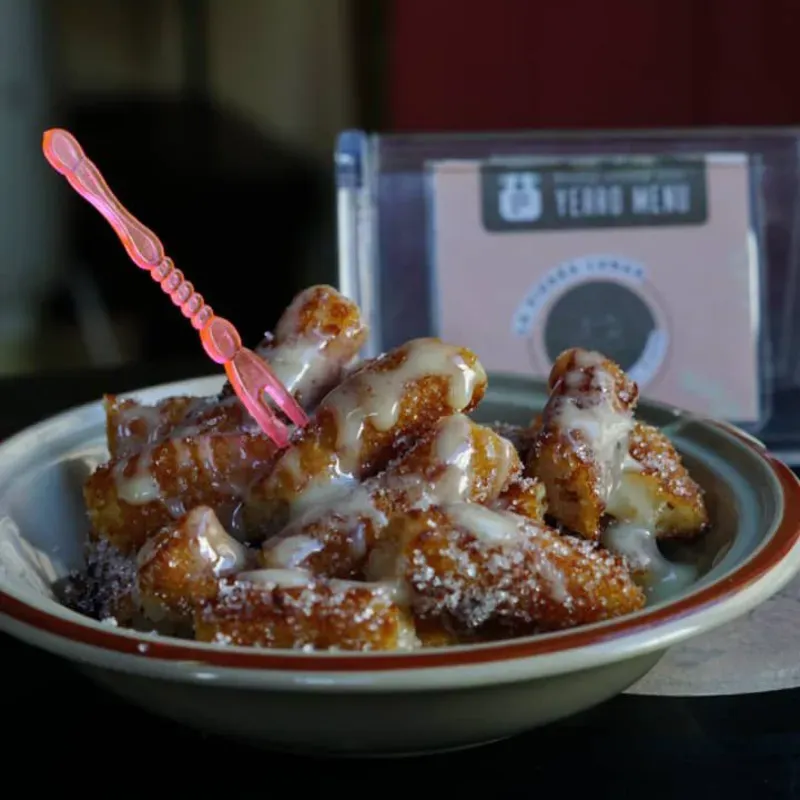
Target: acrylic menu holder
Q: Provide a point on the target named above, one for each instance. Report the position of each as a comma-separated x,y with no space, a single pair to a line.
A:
700,306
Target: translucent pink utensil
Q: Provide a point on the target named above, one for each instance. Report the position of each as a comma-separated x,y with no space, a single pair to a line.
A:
249,375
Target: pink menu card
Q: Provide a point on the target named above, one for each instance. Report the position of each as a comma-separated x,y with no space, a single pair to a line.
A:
655,266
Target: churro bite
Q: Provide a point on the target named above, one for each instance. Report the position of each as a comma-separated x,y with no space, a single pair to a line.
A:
474,569
181,566
391,520
129,499
581,440
363,425
656,490
314,344
292,609
456,460
609,476
524,496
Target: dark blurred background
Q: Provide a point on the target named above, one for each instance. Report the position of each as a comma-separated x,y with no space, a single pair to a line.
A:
214,121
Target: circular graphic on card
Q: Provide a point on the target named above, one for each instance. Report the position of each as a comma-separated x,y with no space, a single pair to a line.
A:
600,315
599,303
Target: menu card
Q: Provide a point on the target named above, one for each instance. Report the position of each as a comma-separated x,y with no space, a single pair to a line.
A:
651,260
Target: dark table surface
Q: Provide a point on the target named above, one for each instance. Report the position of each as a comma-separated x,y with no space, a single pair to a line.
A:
68,731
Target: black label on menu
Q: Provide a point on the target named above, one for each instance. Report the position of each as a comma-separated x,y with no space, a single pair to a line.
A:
594,193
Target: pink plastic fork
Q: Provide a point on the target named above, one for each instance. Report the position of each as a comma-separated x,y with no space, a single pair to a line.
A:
249,375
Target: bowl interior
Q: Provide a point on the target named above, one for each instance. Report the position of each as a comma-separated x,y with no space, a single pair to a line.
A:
42,470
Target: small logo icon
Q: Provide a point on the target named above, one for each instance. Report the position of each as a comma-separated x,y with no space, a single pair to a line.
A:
520,197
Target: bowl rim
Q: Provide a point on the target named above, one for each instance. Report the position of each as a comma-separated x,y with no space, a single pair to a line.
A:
632,629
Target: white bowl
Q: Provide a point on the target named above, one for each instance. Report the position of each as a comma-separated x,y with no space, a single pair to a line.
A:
385,703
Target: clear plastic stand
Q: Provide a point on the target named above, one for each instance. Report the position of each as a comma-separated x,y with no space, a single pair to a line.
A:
675,252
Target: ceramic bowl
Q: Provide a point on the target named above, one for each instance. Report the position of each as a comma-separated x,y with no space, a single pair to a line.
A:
391,703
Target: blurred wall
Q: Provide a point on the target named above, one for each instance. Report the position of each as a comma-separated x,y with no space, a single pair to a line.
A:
284,65
585,65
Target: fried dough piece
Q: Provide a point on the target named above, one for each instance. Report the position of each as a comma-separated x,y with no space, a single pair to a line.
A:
130,425
656,489
211,446
129,499
363,425
456,460
182,564
524,496
291,609
315,340
477,569
581,440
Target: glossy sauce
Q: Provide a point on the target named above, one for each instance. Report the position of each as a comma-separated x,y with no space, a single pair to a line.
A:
658,576
318,334
455,450
633,536
453,459
376,396
595,411
487,526
134,480
215,547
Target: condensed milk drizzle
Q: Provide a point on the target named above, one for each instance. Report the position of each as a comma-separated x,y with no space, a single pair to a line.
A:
587,401
447,478
637,543
136,478
376,395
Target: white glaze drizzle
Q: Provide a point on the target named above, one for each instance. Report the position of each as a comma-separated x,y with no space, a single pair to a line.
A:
488,526
309,356
276,578
452,450
377,396
638,544
134,480
215,546
597,414
299,578
218,546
